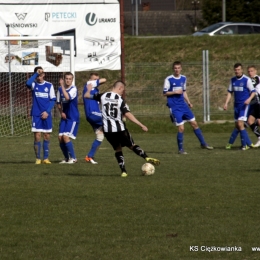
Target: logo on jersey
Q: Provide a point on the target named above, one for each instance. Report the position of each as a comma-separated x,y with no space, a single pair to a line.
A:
21,16
46,89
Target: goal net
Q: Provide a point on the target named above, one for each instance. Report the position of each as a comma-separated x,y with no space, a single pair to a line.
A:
19,56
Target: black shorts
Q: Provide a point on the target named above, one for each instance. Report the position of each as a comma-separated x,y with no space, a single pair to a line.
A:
119,139
255,111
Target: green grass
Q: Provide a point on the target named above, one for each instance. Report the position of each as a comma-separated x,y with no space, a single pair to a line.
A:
84,211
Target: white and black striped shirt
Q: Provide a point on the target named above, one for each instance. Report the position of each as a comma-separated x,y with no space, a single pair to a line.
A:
113,108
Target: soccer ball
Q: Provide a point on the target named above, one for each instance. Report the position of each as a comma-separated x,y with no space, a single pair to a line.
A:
148,169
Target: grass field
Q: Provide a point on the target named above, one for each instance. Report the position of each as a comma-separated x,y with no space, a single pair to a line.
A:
83,211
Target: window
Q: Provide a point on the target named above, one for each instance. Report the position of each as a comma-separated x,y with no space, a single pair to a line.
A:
244,29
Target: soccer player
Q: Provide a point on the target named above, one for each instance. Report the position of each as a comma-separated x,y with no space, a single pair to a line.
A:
244,92
93,115
67,100
113,109
43,100
254,114
175,90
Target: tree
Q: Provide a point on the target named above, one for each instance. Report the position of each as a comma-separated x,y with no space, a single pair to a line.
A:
236,11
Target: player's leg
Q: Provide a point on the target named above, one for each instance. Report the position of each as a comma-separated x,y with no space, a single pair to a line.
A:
199,135
129,142
47,129
241,113
253,123
232,138
115,140
96,123
176,118
71,130
62,143
37,147
46,143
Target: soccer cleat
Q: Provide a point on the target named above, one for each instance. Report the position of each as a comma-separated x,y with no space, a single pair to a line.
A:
252,146
153,161
124,174
64,161
182,152
72,161
91,160
257,144
206,146
46,161
38,161
244,148
228,146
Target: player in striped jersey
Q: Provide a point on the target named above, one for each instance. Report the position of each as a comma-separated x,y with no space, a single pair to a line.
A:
175,90
93,115
67,100
244,92
43,100
113,109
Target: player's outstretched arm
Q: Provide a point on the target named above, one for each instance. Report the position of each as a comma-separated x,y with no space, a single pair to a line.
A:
132,118
102,80
89,88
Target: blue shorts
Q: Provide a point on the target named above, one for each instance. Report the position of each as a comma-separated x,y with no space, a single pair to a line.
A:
95,121
68,128
181,115
241,112
41,125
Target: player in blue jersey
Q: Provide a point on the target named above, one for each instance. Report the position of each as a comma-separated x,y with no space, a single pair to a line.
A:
175,90
254,111
43,100
244,92
93,114
67,100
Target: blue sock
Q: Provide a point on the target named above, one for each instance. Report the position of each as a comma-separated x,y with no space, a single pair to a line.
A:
244,137
233,136
94,148
180,140
64,150
199,135
70,149
46,149
37,149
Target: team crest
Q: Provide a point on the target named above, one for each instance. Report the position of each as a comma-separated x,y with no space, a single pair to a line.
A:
46,89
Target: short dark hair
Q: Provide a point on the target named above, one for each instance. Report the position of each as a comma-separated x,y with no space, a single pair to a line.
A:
68,74
176,63
251,66
238,64
37,68
93,74
117,83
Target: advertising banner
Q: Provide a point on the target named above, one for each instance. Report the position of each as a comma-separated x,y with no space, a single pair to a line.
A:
95,26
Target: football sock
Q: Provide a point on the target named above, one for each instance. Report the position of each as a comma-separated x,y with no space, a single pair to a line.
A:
233,136
94,148
70,149
121,160
180,140
199,135
139,151
255,129
45,149
244,137
64,150
37,149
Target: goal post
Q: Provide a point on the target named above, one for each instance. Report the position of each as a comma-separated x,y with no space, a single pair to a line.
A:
19,56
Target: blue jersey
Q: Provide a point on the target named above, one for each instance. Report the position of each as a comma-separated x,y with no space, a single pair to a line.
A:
91,106
69,107
42,94
172,83
242,88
